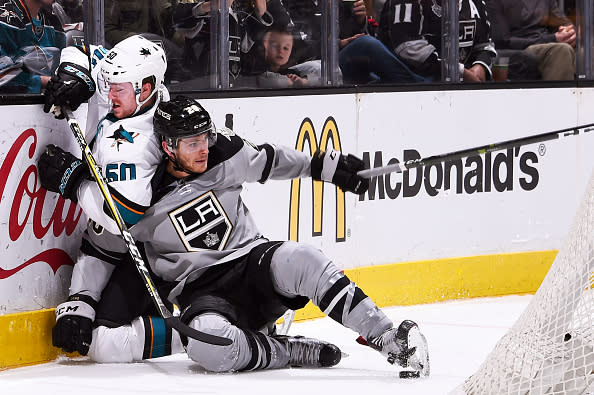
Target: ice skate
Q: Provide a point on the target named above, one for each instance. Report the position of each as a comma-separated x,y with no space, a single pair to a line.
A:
405,346
309,352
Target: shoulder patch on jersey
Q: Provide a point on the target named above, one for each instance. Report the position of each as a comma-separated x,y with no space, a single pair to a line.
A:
202,223
226,132
224,149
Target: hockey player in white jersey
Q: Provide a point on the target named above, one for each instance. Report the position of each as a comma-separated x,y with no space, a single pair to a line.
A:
230,280
124,87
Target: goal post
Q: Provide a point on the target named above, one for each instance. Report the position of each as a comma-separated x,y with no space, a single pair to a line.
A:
550,348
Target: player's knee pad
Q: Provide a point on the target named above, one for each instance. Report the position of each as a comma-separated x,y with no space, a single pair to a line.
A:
218,358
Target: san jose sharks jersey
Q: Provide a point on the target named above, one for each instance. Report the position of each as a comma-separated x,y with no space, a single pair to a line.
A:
201,221
127,150
128,153
31,42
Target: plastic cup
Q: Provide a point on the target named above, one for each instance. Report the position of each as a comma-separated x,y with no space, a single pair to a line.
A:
501,69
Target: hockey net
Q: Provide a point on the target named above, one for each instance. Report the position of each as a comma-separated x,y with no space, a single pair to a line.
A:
550,349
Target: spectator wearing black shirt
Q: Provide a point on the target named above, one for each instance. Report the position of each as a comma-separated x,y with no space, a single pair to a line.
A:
537,29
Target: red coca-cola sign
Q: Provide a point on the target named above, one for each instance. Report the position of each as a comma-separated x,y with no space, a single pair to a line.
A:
29,211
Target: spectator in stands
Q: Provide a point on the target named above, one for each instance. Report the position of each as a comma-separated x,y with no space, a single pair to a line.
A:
69,11
412,30
362,57
248,22
31,38
153,20
306,24
537,32
278,45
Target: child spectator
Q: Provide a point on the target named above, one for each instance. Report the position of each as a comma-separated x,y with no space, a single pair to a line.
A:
278,45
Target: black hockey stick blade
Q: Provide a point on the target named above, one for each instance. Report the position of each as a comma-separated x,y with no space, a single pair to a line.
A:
172,321
430,160
175,323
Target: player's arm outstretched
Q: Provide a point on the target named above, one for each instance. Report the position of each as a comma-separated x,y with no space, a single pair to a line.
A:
281,163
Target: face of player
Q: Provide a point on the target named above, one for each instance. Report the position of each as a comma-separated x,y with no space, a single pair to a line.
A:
192,153
278,48
123,99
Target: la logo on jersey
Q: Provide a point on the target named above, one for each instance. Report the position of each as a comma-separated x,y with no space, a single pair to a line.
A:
202,223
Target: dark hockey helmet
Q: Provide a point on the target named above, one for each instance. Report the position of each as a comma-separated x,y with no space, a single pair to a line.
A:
183,117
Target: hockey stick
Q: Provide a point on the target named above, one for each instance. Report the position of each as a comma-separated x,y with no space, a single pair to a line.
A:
431,160
170,320
283,328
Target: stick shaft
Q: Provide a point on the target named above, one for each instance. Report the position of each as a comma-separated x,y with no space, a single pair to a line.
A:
411,164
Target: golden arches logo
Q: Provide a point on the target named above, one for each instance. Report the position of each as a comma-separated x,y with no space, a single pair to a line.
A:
307,135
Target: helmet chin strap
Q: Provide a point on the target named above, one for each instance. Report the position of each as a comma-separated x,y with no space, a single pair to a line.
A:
176,165
139,103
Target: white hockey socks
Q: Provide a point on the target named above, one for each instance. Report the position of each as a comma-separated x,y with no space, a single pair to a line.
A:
144,338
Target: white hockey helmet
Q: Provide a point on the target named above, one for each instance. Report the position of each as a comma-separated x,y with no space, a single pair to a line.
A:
132,60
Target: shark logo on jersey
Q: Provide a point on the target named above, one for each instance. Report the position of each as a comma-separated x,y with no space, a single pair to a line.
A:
202,224
7,13
121,136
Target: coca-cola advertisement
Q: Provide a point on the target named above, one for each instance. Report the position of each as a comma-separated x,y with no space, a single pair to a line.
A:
40,232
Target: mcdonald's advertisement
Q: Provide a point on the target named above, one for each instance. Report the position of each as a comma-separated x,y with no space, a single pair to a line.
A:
513,200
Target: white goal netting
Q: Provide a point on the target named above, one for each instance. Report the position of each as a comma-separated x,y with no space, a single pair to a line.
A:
550,349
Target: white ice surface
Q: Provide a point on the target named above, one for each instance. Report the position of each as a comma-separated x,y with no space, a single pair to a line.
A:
460,335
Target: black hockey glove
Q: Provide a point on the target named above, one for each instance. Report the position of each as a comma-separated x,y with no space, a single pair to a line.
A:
340,170
74,324
69,86
61,172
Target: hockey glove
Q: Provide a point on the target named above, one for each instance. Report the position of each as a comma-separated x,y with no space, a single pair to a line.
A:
340,170
74,324
61,172
69,86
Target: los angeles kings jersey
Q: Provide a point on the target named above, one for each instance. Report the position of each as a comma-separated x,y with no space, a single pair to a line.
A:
412,30
202,221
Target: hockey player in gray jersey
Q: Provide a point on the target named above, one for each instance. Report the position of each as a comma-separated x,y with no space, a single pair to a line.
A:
123,86
230,280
